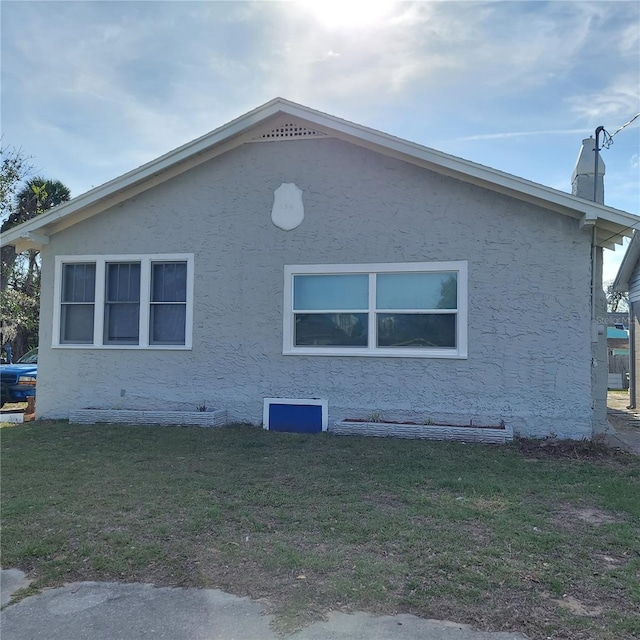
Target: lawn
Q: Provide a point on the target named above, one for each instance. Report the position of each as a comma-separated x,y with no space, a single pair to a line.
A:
543,540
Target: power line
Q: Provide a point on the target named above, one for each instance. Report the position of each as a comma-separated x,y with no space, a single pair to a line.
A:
631,226
606,144
608,137
626,124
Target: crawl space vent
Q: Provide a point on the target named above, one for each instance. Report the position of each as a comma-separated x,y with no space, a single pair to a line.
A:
295,415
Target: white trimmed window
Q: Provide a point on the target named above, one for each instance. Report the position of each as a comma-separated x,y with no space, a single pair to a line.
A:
416,310
127,301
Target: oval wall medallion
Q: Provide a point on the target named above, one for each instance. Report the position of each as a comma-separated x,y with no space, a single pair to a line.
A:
287,212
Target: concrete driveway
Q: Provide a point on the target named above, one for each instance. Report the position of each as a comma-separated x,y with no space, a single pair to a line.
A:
110,611
624,423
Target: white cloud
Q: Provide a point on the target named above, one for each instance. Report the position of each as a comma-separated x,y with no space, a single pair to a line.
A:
613,105
127,81
479,47
523,134
102,68
629,39
371,59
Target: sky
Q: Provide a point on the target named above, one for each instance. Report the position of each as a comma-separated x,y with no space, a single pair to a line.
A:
91,90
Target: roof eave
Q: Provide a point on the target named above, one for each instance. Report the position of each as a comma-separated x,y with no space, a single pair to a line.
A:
621,282
142,173
103,196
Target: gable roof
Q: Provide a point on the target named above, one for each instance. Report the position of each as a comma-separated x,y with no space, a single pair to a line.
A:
630,260
281,119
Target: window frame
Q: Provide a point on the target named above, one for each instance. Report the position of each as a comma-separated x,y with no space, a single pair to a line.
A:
109,305
460,351
100,261
65,305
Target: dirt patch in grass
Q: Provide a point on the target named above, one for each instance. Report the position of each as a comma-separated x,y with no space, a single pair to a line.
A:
574,606
595,449
610,561
594,516
569,517
310,524
578,608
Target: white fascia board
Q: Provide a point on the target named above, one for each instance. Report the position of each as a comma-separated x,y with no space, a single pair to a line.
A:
621,282
146,171
465,167
382,142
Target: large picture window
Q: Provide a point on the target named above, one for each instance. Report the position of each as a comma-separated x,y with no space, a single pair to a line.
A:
406,310
124,301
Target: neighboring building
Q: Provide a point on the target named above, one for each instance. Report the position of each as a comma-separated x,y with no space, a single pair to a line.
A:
618,356
618,319
617,341
293,254
628,281
618,349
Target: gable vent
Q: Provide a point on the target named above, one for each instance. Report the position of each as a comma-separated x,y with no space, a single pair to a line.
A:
290,131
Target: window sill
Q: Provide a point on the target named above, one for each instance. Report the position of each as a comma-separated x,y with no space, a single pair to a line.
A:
125,347
451,354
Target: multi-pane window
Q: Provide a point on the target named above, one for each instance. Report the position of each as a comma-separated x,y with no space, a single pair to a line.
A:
168,302
416,309
330,310
124,301
77,306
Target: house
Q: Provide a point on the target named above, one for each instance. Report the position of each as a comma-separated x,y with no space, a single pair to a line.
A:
628,281
292,254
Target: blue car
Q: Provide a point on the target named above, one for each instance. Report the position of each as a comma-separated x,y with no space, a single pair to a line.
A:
18,380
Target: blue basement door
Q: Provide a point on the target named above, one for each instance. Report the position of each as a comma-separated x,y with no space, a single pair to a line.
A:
295,418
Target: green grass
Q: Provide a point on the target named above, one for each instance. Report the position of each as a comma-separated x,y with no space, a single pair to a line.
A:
498,537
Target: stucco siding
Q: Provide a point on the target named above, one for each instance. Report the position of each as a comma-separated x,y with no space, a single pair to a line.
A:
529,292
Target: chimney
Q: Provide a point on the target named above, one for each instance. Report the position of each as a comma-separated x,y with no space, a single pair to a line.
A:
584,182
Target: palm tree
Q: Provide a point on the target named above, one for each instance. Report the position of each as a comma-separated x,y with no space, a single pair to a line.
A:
37,195
21,276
